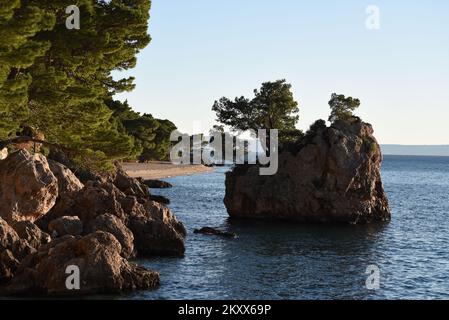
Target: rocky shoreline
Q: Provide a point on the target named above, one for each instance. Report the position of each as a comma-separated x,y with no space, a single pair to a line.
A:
51,221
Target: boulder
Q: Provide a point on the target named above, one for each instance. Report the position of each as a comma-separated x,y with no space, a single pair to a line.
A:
31,233
13,250
160,199
157,184
67,225
333,176
130,186
28,188
112,224
101,268
68,183
158,232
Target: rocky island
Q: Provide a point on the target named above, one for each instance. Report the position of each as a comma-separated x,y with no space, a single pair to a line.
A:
330,175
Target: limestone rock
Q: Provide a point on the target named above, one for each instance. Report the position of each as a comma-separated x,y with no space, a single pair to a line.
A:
112,224
97,256
13,250
31,233
334,177
66,225
28,188
158,232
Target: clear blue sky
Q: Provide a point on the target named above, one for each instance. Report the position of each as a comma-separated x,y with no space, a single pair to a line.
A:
205,49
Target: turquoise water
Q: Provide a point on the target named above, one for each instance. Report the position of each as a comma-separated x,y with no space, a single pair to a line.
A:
288,261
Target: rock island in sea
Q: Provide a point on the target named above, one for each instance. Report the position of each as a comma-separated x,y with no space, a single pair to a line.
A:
332,175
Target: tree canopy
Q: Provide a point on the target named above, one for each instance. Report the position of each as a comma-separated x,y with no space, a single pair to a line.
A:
59,81
342,108
273,107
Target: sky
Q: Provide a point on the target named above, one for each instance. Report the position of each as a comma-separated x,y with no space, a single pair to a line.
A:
203,50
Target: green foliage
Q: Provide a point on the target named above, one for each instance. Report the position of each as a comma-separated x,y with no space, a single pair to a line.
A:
342,108
273,107
151,136
19,47
57,80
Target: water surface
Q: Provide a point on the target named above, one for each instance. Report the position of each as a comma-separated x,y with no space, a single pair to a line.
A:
289,261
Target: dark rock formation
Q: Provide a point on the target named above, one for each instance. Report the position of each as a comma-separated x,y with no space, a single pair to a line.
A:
160,199
28,188
157,184
215,232
332,176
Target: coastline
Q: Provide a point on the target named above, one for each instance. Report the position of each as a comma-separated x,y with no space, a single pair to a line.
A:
161,170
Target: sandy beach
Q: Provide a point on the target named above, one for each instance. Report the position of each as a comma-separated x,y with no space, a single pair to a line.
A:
160,170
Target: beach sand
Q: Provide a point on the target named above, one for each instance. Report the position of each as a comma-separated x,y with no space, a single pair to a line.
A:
160,170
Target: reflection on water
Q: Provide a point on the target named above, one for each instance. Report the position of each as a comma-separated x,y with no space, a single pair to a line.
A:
273,260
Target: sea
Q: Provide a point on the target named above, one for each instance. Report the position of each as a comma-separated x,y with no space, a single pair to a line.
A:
407,258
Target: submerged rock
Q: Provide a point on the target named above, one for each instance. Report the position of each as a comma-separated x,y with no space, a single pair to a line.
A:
28,188
157,184
215,232
160,199
334,176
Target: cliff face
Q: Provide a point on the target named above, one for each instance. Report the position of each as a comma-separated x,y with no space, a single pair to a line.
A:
333,177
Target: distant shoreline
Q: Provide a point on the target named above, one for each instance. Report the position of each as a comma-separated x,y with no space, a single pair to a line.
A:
415,150
161,170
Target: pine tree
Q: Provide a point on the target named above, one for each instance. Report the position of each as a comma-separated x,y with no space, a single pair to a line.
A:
70,76
19,24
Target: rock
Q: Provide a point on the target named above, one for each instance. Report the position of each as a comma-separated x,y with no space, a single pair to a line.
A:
28,188
31,233
113,225
158,232
3,153
67,225
95,199
102,268
13,249
157,184
215,232
130,186
68,183
333,177
160,199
